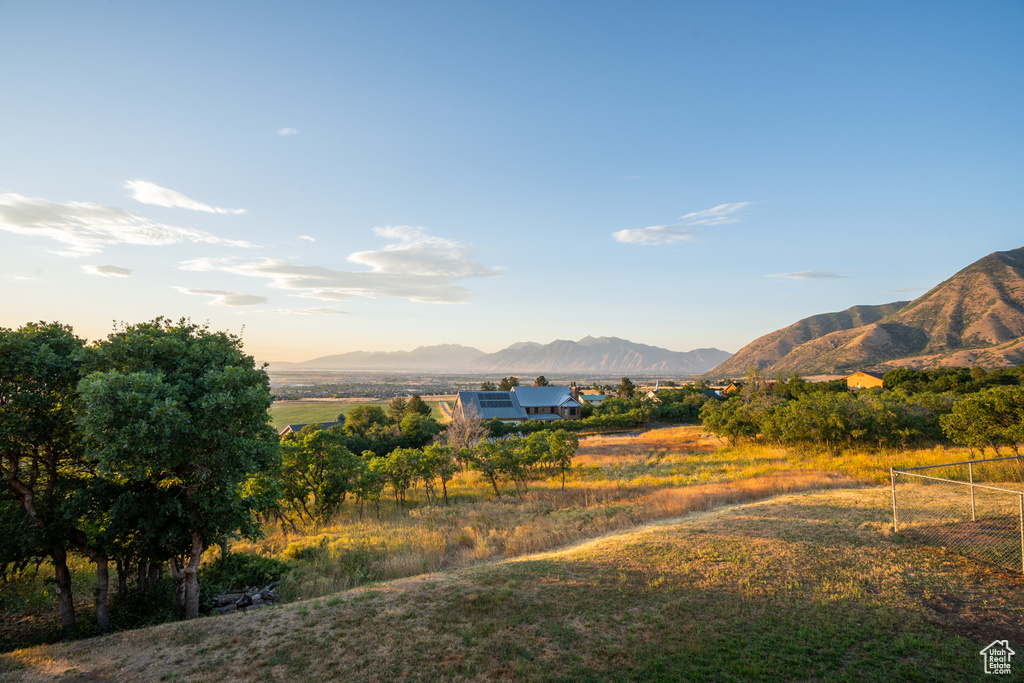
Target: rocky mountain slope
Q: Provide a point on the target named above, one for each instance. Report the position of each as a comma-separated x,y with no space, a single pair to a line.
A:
975,317
765,351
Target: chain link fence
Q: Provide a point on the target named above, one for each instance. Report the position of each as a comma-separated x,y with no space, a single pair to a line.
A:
975,508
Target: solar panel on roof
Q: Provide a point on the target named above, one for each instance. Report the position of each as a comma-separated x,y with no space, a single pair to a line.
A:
495,404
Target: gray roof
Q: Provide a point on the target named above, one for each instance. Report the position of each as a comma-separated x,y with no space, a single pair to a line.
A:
542,397
288,429
490,405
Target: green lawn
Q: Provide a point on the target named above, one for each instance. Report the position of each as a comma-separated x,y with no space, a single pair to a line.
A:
305,412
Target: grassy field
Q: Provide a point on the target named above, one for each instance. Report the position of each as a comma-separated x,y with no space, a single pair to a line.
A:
325,410
799,587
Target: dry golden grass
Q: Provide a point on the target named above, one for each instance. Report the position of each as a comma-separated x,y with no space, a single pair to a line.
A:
800,587
617,482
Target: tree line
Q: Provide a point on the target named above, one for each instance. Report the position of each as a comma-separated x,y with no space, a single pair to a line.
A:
144,449
319,471
971,407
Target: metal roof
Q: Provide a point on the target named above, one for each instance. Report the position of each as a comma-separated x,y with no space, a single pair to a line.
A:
298,427
541,397
490,405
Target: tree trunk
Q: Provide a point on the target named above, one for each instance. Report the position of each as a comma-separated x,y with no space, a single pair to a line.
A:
122,579
178,574
155,570
192,576
102,590
62,576
140,579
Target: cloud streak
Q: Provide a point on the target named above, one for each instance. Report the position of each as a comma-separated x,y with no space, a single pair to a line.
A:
107,271
304,311
221,297
150,193
683,231
809,275
285,132
85,228
416,266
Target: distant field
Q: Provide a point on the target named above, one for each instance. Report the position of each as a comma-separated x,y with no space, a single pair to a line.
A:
325,410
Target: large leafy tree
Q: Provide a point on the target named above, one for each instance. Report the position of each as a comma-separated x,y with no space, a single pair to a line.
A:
185,410
41,462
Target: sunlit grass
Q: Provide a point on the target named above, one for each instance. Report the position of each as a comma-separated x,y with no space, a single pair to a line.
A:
617,482
804,587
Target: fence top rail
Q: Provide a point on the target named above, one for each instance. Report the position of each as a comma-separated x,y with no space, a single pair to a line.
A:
962,462
962,483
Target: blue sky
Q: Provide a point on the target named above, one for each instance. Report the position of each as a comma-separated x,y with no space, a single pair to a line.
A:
328,177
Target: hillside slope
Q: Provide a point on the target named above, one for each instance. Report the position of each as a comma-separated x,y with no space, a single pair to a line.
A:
976,317
805,587
773,347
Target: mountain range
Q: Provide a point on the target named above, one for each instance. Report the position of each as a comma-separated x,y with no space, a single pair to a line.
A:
976,317
602,355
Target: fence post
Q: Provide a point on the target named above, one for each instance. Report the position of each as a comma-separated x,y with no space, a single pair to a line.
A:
895,528
970,471
1022,532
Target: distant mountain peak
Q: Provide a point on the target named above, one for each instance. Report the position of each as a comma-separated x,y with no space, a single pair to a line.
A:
597,355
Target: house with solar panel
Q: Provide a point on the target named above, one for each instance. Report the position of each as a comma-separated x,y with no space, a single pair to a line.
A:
518,405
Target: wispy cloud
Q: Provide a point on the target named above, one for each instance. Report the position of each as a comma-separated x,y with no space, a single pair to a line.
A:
87,228
304,311
809,275
150,193
107,271
221,297
287,131
682,231
306,238
415,266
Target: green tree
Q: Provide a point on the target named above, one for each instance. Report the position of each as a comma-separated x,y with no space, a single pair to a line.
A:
488,386
626,388
992,417
370,481
317,472
418,430
417,405
397,408
439,461
732,419
41,460
401,467
562,447
507,383
184,409
541,381
362,419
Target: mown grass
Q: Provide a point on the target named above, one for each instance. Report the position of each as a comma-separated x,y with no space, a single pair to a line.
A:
324,410
801,587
